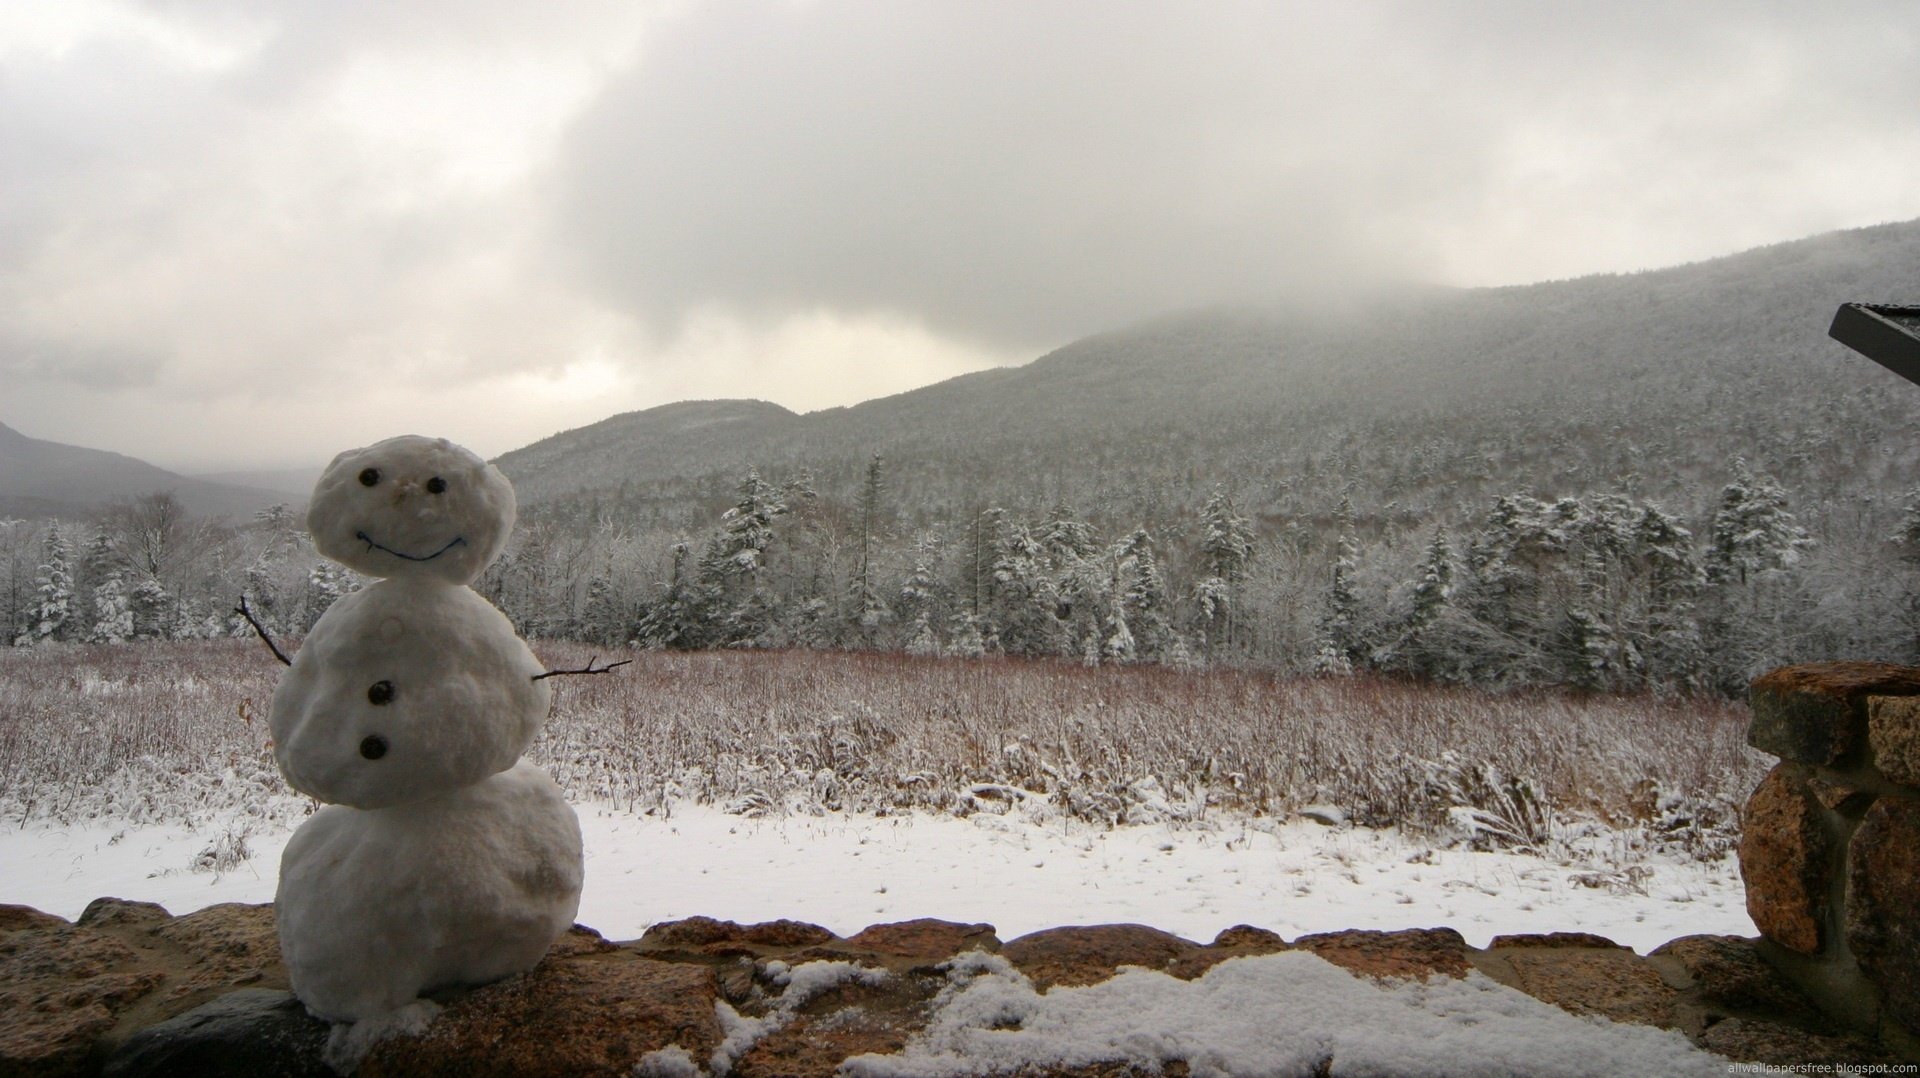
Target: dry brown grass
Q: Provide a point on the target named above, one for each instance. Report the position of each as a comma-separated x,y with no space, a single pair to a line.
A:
177,730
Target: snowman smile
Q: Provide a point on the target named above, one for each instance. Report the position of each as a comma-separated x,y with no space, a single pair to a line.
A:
371,545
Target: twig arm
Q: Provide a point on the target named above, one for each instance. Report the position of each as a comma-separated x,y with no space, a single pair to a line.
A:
587,669
262,630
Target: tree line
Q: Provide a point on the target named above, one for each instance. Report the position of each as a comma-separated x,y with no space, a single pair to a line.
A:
1600,591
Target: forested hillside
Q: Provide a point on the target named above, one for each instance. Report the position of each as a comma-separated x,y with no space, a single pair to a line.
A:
1663,480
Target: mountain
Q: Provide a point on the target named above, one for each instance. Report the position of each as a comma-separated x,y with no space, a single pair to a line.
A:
39,478
291,485
1418,404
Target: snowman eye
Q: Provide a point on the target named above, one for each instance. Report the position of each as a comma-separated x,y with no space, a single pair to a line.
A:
379,693
369,477
436,485
373,747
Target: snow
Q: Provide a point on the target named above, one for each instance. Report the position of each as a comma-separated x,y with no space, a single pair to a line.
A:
1272,1015
801,986
1021,875
1276,1014
377,906
445,859
430,672
413,507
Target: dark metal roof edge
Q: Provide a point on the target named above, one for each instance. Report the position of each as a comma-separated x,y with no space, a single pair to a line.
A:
1866,329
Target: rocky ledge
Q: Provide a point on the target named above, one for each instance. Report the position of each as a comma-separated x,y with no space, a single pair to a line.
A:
130,990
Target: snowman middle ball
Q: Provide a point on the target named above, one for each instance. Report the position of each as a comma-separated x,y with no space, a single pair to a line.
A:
404,690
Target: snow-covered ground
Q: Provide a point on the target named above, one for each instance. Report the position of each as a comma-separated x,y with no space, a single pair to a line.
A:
848,871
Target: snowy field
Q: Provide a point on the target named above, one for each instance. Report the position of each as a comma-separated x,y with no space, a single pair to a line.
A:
848,871
854,790
848,790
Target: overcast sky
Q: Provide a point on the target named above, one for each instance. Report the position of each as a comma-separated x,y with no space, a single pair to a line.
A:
255,233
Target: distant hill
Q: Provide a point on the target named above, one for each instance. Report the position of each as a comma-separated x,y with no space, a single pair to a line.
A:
1421,404
39,478
291,485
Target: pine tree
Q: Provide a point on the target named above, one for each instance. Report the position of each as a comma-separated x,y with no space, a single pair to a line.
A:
53,591
1024,614
734,602
112,617
151,606
922,599
870,610
326,583
1752,530
671,620
1339,621
601,619
1226,547
1078,578
1663,549
1119,646
1142,596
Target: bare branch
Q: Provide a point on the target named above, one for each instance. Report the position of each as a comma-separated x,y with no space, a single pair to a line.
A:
587,669
261,629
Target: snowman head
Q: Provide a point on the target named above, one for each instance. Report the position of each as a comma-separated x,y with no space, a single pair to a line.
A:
412,507
405,690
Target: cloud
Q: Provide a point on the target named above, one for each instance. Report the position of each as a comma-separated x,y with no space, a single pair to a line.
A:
1026,173
295,221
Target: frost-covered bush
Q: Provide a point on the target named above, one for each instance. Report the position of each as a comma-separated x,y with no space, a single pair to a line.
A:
167,731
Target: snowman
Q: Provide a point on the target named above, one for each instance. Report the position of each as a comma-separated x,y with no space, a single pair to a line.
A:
442,859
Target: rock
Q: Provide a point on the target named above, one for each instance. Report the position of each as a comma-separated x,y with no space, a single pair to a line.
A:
1729,972
1893,732
1784,855
580,940
1552,939
246,1033
14,918
586,1015
1839,796
708,936
926,940
1091,954
818,1047
62,987
228,945
849,1020
1611,982
1749,1040
1883,910
1415,952
1815,713
1254,940
113,912
1325,815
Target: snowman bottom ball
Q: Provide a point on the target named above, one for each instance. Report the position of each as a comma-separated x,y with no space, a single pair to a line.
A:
378,906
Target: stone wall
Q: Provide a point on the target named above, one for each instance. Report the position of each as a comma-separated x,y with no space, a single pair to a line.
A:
1830,848
129,991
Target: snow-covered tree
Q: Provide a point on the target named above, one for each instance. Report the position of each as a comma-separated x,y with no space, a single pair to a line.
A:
53,591
326,583
1339,621
870,611
112,617
152,610
672,618
923,602
1226,546
1142,595
1752,530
